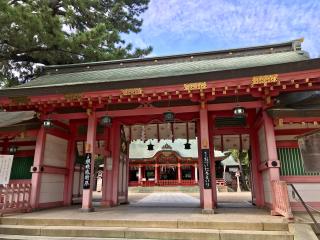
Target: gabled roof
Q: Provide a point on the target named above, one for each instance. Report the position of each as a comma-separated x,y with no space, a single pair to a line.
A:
157,71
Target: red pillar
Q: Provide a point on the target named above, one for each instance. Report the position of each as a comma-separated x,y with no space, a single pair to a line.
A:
115,136
179,173
213,163
273,164
90,148
140,174
107,171
156,174
68,184
36,168
110,196
274,172
200,177
5,146
257,184
204,153
196,173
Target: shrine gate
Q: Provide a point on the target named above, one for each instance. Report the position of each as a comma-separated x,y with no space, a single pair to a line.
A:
91,108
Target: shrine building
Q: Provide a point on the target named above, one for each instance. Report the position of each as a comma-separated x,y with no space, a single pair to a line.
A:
261,99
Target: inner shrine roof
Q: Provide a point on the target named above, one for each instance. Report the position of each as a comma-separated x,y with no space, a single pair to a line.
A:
168,70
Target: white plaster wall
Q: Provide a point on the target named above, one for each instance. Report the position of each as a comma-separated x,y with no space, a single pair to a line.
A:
310,192
52,188
262,144
76,183
55,152
266,187
76,177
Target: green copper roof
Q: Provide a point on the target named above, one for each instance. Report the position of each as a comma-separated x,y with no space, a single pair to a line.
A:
156,70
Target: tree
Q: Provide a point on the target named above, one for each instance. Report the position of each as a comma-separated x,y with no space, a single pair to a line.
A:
242,157
47,32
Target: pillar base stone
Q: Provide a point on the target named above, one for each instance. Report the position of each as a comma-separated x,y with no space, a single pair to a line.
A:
86,210
106,204
207,211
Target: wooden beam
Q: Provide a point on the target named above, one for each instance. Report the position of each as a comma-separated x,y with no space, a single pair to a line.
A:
298,131
156,111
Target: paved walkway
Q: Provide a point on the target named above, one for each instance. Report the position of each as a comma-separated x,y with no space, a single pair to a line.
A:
163,206
168,199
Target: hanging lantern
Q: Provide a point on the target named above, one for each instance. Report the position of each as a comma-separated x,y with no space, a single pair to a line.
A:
187,145
47,123
150,146
168,116
13,149
239,112
106,120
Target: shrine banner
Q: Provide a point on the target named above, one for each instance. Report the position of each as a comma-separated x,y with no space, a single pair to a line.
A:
206,169
5,168
87,171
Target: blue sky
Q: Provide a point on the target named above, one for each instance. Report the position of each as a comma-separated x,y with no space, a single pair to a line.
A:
182,26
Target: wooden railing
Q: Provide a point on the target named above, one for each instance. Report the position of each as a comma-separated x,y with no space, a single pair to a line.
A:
191,182
188,182
133,183
168,182
280,199
15,197
147,183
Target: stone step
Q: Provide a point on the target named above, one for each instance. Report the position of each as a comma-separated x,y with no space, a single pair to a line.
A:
20,237
177,224
142,233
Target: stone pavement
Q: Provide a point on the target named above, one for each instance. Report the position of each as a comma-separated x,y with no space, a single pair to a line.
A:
186,208
168,199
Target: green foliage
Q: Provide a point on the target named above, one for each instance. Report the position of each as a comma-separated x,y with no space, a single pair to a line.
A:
37,32
242,157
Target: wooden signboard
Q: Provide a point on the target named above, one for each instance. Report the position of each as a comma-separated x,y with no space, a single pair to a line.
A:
206,168
5,168
87,171
309,145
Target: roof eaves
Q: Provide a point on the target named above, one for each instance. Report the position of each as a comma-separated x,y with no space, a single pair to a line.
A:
274,45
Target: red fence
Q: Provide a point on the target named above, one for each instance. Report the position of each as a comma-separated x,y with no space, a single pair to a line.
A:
280,198
15,197
168,182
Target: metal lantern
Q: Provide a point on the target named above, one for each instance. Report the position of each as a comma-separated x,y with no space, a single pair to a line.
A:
13,149
47,123
239,112
187,146
150,146
168,116
106,120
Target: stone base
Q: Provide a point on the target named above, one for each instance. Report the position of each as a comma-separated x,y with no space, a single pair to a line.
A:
86,210
207,211
106,204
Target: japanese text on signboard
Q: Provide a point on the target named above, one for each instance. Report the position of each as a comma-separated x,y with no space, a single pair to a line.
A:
206,168
5,168
87,171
